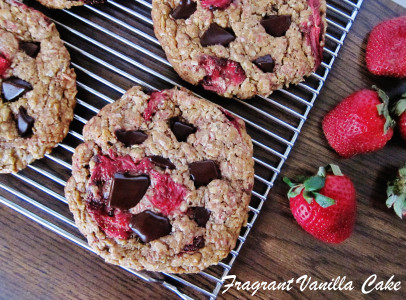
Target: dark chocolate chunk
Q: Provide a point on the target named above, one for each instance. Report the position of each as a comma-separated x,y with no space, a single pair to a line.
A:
182,130
13,88
265,63
184,10
130,137
150,226
199,214
24,123
162,162
217,35
198,243
203,172
276,25
31,48
126,191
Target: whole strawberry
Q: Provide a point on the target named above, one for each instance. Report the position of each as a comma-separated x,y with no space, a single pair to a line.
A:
386,51
324,205
360,123
396,192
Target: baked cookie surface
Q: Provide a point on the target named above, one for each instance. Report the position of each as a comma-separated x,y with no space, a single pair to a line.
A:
162,181
61,4
241,48
38,87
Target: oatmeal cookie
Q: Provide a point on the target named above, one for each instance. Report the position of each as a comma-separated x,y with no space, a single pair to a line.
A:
162,181
60,4
37,86
239,47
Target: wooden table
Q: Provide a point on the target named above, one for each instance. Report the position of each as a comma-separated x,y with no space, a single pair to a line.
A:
38,264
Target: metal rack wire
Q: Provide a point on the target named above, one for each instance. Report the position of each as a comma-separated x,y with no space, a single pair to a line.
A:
112,48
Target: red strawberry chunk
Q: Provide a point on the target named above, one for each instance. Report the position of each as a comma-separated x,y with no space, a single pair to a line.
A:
386,51
4,65
155,99
314,30
215,4
221,73
115,226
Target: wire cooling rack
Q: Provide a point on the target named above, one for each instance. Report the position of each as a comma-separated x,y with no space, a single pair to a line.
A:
112,48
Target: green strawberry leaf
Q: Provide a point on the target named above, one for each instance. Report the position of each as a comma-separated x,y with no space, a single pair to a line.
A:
400,206
402,171
308,196
392,199
314,183
322,172
323,201
400,106
288,182
294,191
336,170
383,110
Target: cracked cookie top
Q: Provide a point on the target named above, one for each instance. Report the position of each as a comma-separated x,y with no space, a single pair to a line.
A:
162,182
241,48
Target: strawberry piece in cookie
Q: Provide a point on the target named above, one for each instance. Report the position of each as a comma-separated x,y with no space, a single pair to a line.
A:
215,4
314,31
155,99
4,65
114,223
221,73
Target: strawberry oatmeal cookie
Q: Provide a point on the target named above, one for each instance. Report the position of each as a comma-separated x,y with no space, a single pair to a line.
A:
38,87
238,47
60,4
162,181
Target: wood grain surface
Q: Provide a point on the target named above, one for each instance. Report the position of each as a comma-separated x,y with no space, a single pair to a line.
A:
38,264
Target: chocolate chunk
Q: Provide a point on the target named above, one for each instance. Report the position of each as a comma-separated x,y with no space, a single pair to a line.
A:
150,226
276,25
184,10
126,191
217,35
24,123
182,130
130,137
13,88
199,214
162,162
265,63
31,48
198,243
203,172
